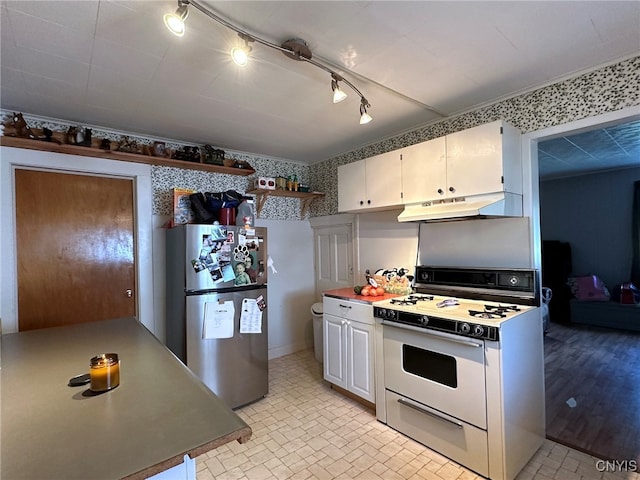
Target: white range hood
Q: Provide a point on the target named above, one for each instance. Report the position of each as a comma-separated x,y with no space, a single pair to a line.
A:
460,208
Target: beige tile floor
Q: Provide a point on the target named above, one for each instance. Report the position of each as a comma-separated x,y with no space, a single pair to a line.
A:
305,430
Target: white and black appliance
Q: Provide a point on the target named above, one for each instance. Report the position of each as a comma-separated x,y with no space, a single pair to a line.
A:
464,366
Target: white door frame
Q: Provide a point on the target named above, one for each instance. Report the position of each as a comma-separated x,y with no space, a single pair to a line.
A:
140,174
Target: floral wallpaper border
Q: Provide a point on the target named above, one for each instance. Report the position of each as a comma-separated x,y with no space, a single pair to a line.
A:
604,90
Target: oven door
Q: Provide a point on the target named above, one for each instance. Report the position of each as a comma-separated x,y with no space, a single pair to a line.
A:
443,371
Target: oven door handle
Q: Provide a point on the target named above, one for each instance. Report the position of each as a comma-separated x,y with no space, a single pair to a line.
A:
406,403
444,336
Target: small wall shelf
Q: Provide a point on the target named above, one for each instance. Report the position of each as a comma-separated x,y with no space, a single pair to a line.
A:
114,155
305,198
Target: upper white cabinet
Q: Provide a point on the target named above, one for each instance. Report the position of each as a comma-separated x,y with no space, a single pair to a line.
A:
424,169
484,159
371,184
480,160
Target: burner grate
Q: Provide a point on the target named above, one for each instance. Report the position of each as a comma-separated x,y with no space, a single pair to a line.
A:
502,308
403,301
420,297
487,314
411,299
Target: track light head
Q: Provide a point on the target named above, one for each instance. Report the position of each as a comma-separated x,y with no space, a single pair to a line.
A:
240,55
364,116
175,21
338,94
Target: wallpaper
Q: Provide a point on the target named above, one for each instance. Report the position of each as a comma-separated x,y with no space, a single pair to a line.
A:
604,90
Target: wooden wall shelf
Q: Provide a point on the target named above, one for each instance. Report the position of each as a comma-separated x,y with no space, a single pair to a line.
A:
305,198
113,155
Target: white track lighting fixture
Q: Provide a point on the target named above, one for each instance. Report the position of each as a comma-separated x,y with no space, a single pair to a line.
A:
295,48
175,21
338,94
240,55
364,116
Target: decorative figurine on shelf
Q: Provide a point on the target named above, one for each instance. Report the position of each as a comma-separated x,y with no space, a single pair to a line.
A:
86,138
79,136
48,136
213,156
71,135
159,149
128,146
23,130
105,144
189,154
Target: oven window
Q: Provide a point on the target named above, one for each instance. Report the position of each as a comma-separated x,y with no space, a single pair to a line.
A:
430,365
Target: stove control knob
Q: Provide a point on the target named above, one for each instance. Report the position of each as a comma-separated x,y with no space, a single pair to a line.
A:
424,320
465,328
478,330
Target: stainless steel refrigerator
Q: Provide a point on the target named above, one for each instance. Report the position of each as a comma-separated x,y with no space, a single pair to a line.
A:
216,307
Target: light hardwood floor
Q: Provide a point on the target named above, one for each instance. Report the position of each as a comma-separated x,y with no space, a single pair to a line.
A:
305,430
593,390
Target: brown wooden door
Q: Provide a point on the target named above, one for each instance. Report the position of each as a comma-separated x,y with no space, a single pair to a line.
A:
75,248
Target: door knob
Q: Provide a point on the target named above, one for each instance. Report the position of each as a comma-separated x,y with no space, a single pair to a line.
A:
128,292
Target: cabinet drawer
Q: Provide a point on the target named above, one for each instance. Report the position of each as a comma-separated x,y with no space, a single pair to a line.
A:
462,443
356,311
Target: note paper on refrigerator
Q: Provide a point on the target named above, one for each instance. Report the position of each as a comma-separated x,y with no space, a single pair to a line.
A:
251,317
218,320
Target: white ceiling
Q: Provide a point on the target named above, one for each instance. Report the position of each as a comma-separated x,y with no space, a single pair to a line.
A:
114,64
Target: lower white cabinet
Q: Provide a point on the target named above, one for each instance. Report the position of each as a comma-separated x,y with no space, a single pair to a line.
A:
349,346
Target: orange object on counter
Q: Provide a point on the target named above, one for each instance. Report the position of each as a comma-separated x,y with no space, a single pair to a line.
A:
347,293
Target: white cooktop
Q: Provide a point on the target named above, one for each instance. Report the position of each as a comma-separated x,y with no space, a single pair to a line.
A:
453,308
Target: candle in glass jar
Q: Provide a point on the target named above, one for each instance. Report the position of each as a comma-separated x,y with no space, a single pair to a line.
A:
104,372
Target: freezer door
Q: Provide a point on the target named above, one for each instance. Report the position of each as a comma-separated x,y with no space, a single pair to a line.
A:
235,365
220,256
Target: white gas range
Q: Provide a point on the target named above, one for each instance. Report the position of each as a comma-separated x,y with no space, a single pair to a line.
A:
461,316
463,366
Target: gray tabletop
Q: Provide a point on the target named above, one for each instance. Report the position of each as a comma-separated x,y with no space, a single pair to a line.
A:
158,413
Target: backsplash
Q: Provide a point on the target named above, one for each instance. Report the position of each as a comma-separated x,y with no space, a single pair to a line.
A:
605,90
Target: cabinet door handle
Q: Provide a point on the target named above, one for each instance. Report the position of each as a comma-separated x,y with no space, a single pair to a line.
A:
451,189
440,191
369,202
344,306
361,202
